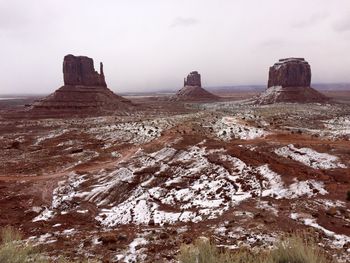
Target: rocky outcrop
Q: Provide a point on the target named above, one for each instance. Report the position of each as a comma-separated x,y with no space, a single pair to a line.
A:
193,79
290,72
80,71
289,81
84,91
193,91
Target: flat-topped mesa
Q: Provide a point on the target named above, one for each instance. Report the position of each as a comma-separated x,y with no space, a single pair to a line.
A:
80,71
289,81
193,79
290,72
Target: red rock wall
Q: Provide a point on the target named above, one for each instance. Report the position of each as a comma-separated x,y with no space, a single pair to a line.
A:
291,72
79,70
193,79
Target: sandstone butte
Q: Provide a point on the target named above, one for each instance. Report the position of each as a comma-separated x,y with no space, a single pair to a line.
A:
290,81
84,91
193,91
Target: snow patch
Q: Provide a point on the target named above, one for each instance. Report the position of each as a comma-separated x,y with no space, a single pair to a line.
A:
232,127
135,253
273,186
310,157
337,240
199,184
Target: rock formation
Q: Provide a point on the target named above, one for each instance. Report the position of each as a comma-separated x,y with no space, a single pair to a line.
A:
290,72
80,71
289,81
84,91
193,91
193,79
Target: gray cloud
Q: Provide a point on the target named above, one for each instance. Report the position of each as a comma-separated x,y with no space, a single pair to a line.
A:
184,22
274,43
18,19
342,24
228,42
12,20
311,21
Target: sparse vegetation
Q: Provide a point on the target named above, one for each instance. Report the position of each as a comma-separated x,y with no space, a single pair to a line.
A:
12,250
298,249
205,252
293,249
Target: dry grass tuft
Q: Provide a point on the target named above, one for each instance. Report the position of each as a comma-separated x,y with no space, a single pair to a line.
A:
12,250
297,248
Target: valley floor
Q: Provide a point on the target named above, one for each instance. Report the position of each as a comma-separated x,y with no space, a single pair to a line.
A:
134,188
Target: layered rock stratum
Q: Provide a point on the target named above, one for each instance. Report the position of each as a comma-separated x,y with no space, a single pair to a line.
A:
193,91
290,81
84,91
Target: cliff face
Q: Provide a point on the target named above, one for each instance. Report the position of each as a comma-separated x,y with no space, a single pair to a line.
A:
290,72
193,79
79,70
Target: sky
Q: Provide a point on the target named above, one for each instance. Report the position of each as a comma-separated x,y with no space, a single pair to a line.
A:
148,45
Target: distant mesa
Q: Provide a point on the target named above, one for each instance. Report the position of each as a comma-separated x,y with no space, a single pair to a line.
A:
290,81
193,79
84,91
193,91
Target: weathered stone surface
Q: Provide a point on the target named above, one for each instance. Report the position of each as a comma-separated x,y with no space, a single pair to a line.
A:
290,72
193,91
289,81
85,91
79,70
193,79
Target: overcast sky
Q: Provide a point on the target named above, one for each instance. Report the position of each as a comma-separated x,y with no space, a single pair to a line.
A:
153,44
